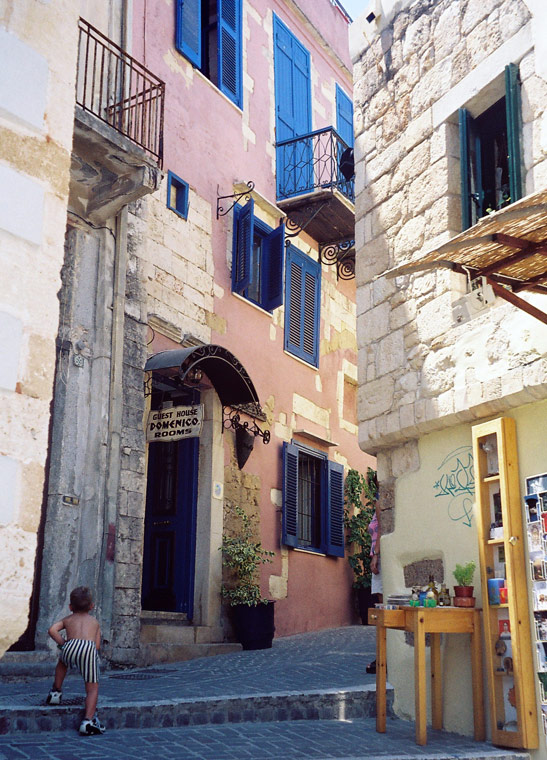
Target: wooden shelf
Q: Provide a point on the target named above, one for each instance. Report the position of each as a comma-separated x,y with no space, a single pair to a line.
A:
497,439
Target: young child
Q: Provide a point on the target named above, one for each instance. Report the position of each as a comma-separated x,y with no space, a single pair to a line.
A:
83,639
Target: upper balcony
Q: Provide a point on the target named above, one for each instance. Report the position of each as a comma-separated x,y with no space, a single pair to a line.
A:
118,132
315,185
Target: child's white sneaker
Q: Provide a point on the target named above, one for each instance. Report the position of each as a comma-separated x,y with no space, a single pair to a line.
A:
91,726
54,697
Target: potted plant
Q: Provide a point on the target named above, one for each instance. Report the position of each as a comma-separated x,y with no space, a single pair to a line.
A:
463,591
242,555
359,505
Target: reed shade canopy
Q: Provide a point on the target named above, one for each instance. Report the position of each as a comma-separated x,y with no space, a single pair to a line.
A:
507,247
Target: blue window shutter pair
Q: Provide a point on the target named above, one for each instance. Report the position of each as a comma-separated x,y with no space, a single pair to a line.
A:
332,503
302,306
188,36
271,265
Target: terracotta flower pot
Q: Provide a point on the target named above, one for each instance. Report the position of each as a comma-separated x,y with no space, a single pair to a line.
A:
463,591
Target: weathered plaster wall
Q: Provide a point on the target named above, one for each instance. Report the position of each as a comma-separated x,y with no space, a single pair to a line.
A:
213,145
444,529
418,370
37,73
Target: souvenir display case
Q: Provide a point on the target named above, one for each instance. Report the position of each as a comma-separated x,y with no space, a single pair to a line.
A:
504,569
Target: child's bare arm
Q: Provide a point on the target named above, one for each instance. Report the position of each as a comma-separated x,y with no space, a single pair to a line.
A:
55,632
98,638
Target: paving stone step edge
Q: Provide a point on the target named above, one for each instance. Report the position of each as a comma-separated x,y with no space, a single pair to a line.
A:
341,705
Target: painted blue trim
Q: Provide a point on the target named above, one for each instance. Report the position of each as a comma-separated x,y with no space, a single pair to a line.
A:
344,116
292,105
334,509
181,207
302,306
243,247
289,520
230,49
188,30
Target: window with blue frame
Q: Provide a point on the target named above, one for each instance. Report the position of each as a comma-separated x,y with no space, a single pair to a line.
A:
490,154
257,260
209,34
313,501
177,195
302,306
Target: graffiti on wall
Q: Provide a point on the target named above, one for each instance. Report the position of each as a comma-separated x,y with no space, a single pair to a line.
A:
456,484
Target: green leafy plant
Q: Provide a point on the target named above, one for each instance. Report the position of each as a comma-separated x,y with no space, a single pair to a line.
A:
360,494
243,555
464,574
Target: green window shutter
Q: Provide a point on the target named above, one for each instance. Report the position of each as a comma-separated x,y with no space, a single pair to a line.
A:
289,534
513,114
465,167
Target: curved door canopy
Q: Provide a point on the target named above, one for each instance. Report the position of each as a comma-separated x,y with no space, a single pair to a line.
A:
228,376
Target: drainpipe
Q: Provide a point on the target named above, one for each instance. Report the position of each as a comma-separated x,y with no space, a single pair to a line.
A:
115,412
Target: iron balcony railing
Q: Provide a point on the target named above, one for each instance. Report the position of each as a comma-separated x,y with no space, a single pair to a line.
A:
119,90
312,162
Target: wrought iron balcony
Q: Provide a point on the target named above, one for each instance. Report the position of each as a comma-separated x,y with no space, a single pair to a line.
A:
316,194
120,91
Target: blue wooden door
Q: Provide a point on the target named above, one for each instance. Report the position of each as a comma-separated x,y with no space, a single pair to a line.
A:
170,527
293,112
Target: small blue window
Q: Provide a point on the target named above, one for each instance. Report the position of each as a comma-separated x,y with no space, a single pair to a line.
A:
313,501
257,260
209,35
177,195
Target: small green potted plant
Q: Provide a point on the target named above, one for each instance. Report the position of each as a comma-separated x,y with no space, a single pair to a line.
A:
463,591
242,555
359,504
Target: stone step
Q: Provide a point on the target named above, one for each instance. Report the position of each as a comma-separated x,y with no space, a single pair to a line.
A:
158,653
166,632
30,715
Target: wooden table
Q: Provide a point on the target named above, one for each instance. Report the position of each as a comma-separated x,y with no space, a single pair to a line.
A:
419,621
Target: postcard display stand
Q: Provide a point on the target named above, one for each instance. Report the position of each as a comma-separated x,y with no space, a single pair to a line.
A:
508,636
535,509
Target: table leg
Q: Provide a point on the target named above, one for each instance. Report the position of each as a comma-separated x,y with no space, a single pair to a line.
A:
380,679
436,682
476,679
419,679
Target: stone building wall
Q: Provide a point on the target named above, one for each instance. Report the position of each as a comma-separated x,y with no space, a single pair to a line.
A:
37,74
419,371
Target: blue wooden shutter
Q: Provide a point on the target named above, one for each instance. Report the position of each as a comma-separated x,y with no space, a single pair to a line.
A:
272,263
293,109
230,48
289,534
303,305
243,247
465,167
512,109
334,504
188,30
344,116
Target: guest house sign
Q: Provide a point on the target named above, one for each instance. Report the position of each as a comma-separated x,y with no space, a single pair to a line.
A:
174,423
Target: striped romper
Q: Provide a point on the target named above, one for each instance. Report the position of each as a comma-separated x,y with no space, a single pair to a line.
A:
81,654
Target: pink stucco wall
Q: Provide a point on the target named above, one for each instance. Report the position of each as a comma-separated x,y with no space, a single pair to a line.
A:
206,145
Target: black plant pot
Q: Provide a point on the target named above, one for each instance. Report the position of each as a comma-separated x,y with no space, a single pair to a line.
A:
365,600
254,626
